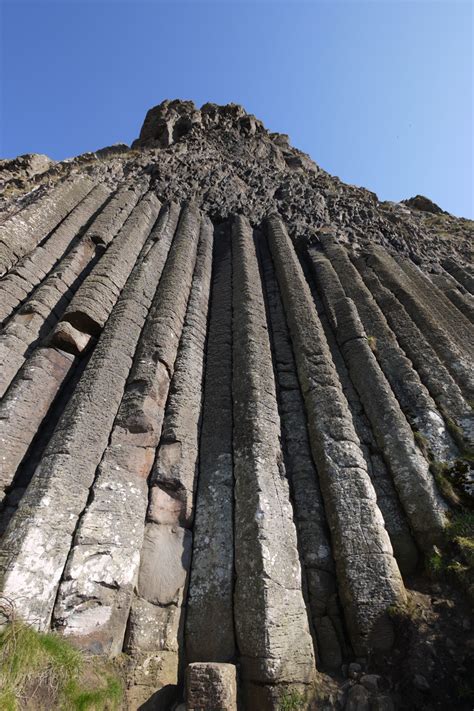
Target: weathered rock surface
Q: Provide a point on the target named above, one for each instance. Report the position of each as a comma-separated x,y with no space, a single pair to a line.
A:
235,413
210,598
348,493
33,268
211,686
94,598
156,622
22,232
272,632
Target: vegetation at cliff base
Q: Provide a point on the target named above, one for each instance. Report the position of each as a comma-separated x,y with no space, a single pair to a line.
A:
43,671
292,701
456,559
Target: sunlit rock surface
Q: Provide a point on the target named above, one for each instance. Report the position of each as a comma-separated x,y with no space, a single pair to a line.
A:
236,411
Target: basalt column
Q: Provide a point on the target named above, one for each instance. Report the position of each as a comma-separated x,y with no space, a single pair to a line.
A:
432,369
274,644
413,397
313,532
454,353
37,316
156,622
35,546
95,593
92,304
209,632
368,576
33,267
404,547
414,482
22,232
33,390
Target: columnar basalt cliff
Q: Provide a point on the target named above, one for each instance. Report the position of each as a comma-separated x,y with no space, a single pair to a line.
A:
236,421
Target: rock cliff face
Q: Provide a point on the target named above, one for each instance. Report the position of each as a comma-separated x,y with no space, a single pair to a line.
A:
235,417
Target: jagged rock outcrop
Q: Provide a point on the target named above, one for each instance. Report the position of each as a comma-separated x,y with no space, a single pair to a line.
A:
236,410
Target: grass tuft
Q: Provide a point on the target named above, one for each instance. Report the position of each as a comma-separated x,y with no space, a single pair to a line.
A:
41,670
435,564
456,559
108,697
461,524
441,472
423,444
372,341
466,548
292,701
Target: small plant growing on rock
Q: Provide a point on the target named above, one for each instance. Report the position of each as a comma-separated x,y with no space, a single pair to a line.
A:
435,563
461,534
422,443
441,472
292,701
405,611
456,559
461,524
372,341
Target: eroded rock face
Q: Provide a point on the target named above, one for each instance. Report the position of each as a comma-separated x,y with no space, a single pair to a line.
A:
227,382
211,686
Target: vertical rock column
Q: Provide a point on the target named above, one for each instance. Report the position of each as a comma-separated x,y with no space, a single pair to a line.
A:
460,274
414,398
433,372
36,317
21,233
275,646
36,543
425,318
450,318
156,623
26,404
93,302
209,630
396,523
31,269
409,469
42,436
415,485
211,686
95,594
313,533
35,387
368,576
462,299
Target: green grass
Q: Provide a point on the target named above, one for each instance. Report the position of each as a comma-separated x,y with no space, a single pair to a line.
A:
466,546
43,671
458,436
442,475
108,697
455,559
452,479
461,524
435,564
292,701
422,443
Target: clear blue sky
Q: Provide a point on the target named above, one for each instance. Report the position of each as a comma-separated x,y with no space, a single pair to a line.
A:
379,93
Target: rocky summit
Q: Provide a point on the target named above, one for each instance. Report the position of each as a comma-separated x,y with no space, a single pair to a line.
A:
236,422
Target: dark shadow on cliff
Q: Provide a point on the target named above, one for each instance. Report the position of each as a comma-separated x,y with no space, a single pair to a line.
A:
161,700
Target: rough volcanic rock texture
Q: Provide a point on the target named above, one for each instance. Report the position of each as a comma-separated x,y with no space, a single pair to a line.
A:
229,385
